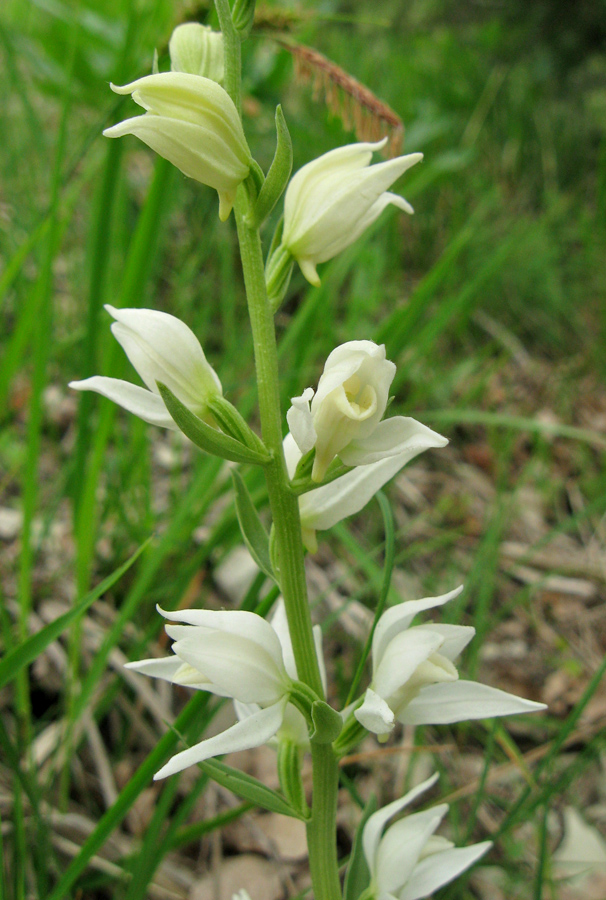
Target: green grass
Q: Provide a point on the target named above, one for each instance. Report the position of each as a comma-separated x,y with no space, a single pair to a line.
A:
490,300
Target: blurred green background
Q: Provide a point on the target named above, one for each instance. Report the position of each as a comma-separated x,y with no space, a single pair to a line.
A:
490,300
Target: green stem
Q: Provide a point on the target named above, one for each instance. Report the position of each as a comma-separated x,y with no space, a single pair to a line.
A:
321,829
232,52
284,505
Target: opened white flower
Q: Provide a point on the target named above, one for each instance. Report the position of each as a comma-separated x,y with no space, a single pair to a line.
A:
332,200
192,122
197,50
233,654
294,727
343,417
161,348
323,507
414,680
409,861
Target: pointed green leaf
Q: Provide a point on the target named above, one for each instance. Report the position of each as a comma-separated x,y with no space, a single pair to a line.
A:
243,16
253,532
33,646
248,787
205,437
358,876
279,171
328,723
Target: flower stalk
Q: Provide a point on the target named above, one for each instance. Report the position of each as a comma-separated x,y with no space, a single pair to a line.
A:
321,830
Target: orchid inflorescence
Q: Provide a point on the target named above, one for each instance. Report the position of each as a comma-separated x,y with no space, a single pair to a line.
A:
340,449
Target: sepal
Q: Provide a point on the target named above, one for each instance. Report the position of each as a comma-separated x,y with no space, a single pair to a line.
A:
207,438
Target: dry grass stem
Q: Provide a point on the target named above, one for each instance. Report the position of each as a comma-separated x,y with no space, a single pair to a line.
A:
357,107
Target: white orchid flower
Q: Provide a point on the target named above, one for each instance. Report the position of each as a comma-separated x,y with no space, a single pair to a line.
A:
229,653
294,727
408,861
332,200
414,679
192,122
197,50
161,348
343,417
323,507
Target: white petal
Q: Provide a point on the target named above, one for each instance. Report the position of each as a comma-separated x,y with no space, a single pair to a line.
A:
456,638
440,868
250,732
310,273
398,435
325,506
300,421
247,625
399,617
441,704
292,454
374,714
279,623
329,217
134,399
305,197
239,667
582,851
400,659
317,633
157,668
345,361
402,845
376,823
163,348
365,218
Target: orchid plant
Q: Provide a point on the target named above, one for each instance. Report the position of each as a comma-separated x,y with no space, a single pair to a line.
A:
340,449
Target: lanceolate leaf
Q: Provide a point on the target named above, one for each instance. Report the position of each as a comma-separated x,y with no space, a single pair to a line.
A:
248,787
252,529
27,652
205,437
279,171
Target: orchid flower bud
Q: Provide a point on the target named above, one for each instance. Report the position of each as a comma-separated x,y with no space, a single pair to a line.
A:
162,349
332,200
408,861
197,50
414,679
192,122
343,418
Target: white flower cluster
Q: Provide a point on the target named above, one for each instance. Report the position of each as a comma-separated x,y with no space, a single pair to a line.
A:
339,452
